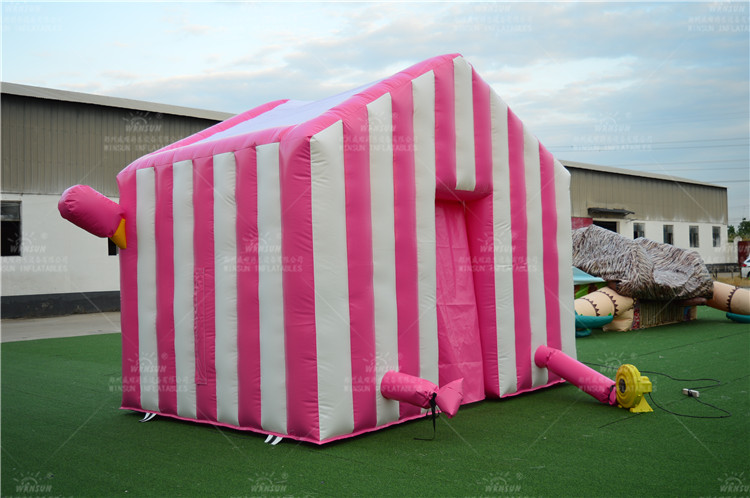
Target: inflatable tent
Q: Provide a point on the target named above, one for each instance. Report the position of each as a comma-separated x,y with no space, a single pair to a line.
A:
279,264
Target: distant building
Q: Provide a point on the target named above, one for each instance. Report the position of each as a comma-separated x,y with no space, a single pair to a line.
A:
686,213
52,139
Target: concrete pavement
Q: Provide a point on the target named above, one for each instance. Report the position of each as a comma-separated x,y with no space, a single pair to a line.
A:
28,329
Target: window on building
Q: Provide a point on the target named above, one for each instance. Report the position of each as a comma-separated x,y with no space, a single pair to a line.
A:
111,248
717,236
639,230
669,234
609,225
10,217
694,242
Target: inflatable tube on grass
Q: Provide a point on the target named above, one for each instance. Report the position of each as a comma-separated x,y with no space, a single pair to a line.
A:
626,391
731,299
422,393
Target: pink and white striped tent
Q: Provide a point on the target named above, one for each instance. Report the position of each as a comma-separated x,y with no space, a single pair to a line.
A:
278,264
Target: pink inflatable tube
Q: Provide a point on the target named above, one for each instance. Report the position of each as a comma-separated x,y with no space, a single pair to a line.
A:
586,379
88,209
416,391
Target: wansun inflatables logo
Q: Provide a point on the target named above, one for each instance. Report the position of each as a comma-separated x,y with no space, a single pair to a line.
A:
613,361
503,484
31,484
734,484
268,484
140,122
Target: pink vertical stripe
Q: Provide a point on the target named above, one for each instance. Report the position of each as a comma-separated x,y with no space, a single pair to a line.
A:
205,327
199,307
405,220
551,256
445,132
398,80
359,250
518,228
299,289
248,326
131,370
482,134
480,232
165,290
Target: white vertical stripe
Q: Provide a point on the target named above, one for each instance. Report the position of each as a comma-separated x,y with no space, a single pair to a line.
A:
535,252
225,271
423,90
466,176
184,316
565,260
270,292
380,118
502,244
146,232
333,342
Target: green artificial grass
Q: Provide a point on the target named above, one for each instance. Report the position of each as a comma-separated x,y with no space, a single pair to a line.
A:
63,434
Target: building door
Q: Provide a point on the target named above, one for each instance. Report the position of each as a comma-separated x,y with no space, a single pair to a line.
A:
609,225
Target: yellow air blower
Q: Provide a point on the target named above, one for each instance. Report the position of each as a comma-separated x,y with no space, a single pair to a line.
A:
626,391
631,386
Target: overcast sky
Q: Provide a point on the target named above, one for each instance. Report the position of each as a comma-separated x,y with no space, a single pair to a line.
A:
660,87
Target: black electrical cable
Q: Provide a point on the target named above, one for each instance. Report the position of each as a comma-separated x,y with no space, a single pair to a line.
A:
433,410
716,383
728,414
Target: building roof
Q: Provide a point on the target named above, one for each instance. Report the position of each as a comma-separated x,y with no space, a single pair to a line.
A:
87,98
643,174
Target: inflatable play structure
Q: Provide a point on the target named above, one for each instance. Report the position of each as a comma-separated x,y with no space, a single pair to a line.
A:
317,270
641,283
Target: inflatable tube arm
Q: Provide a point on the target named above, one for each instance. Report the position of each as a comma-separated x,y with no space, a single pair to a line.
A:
88,209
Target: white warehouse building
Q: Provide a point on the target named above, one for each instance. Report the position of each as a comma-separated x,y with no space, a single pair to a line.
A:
685,213
52,139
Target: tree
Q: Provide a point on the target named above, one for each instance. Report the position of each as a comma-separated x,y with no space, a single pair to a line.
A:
742,231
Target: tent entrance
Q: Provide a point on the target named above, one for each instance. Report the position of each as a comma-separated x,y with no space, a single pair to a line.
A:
459,344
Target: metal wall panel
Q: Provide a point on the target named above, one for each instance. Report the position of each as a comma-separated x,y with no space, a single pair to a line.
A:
648,198
49,145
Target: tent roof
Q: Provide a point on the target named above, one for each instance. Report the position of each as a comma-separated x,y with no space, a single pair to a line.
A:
278,118
289,113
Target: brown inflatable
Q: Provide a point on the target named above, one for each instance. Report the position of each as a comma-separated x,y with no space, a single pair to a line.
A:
729,298
621,323
603,302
